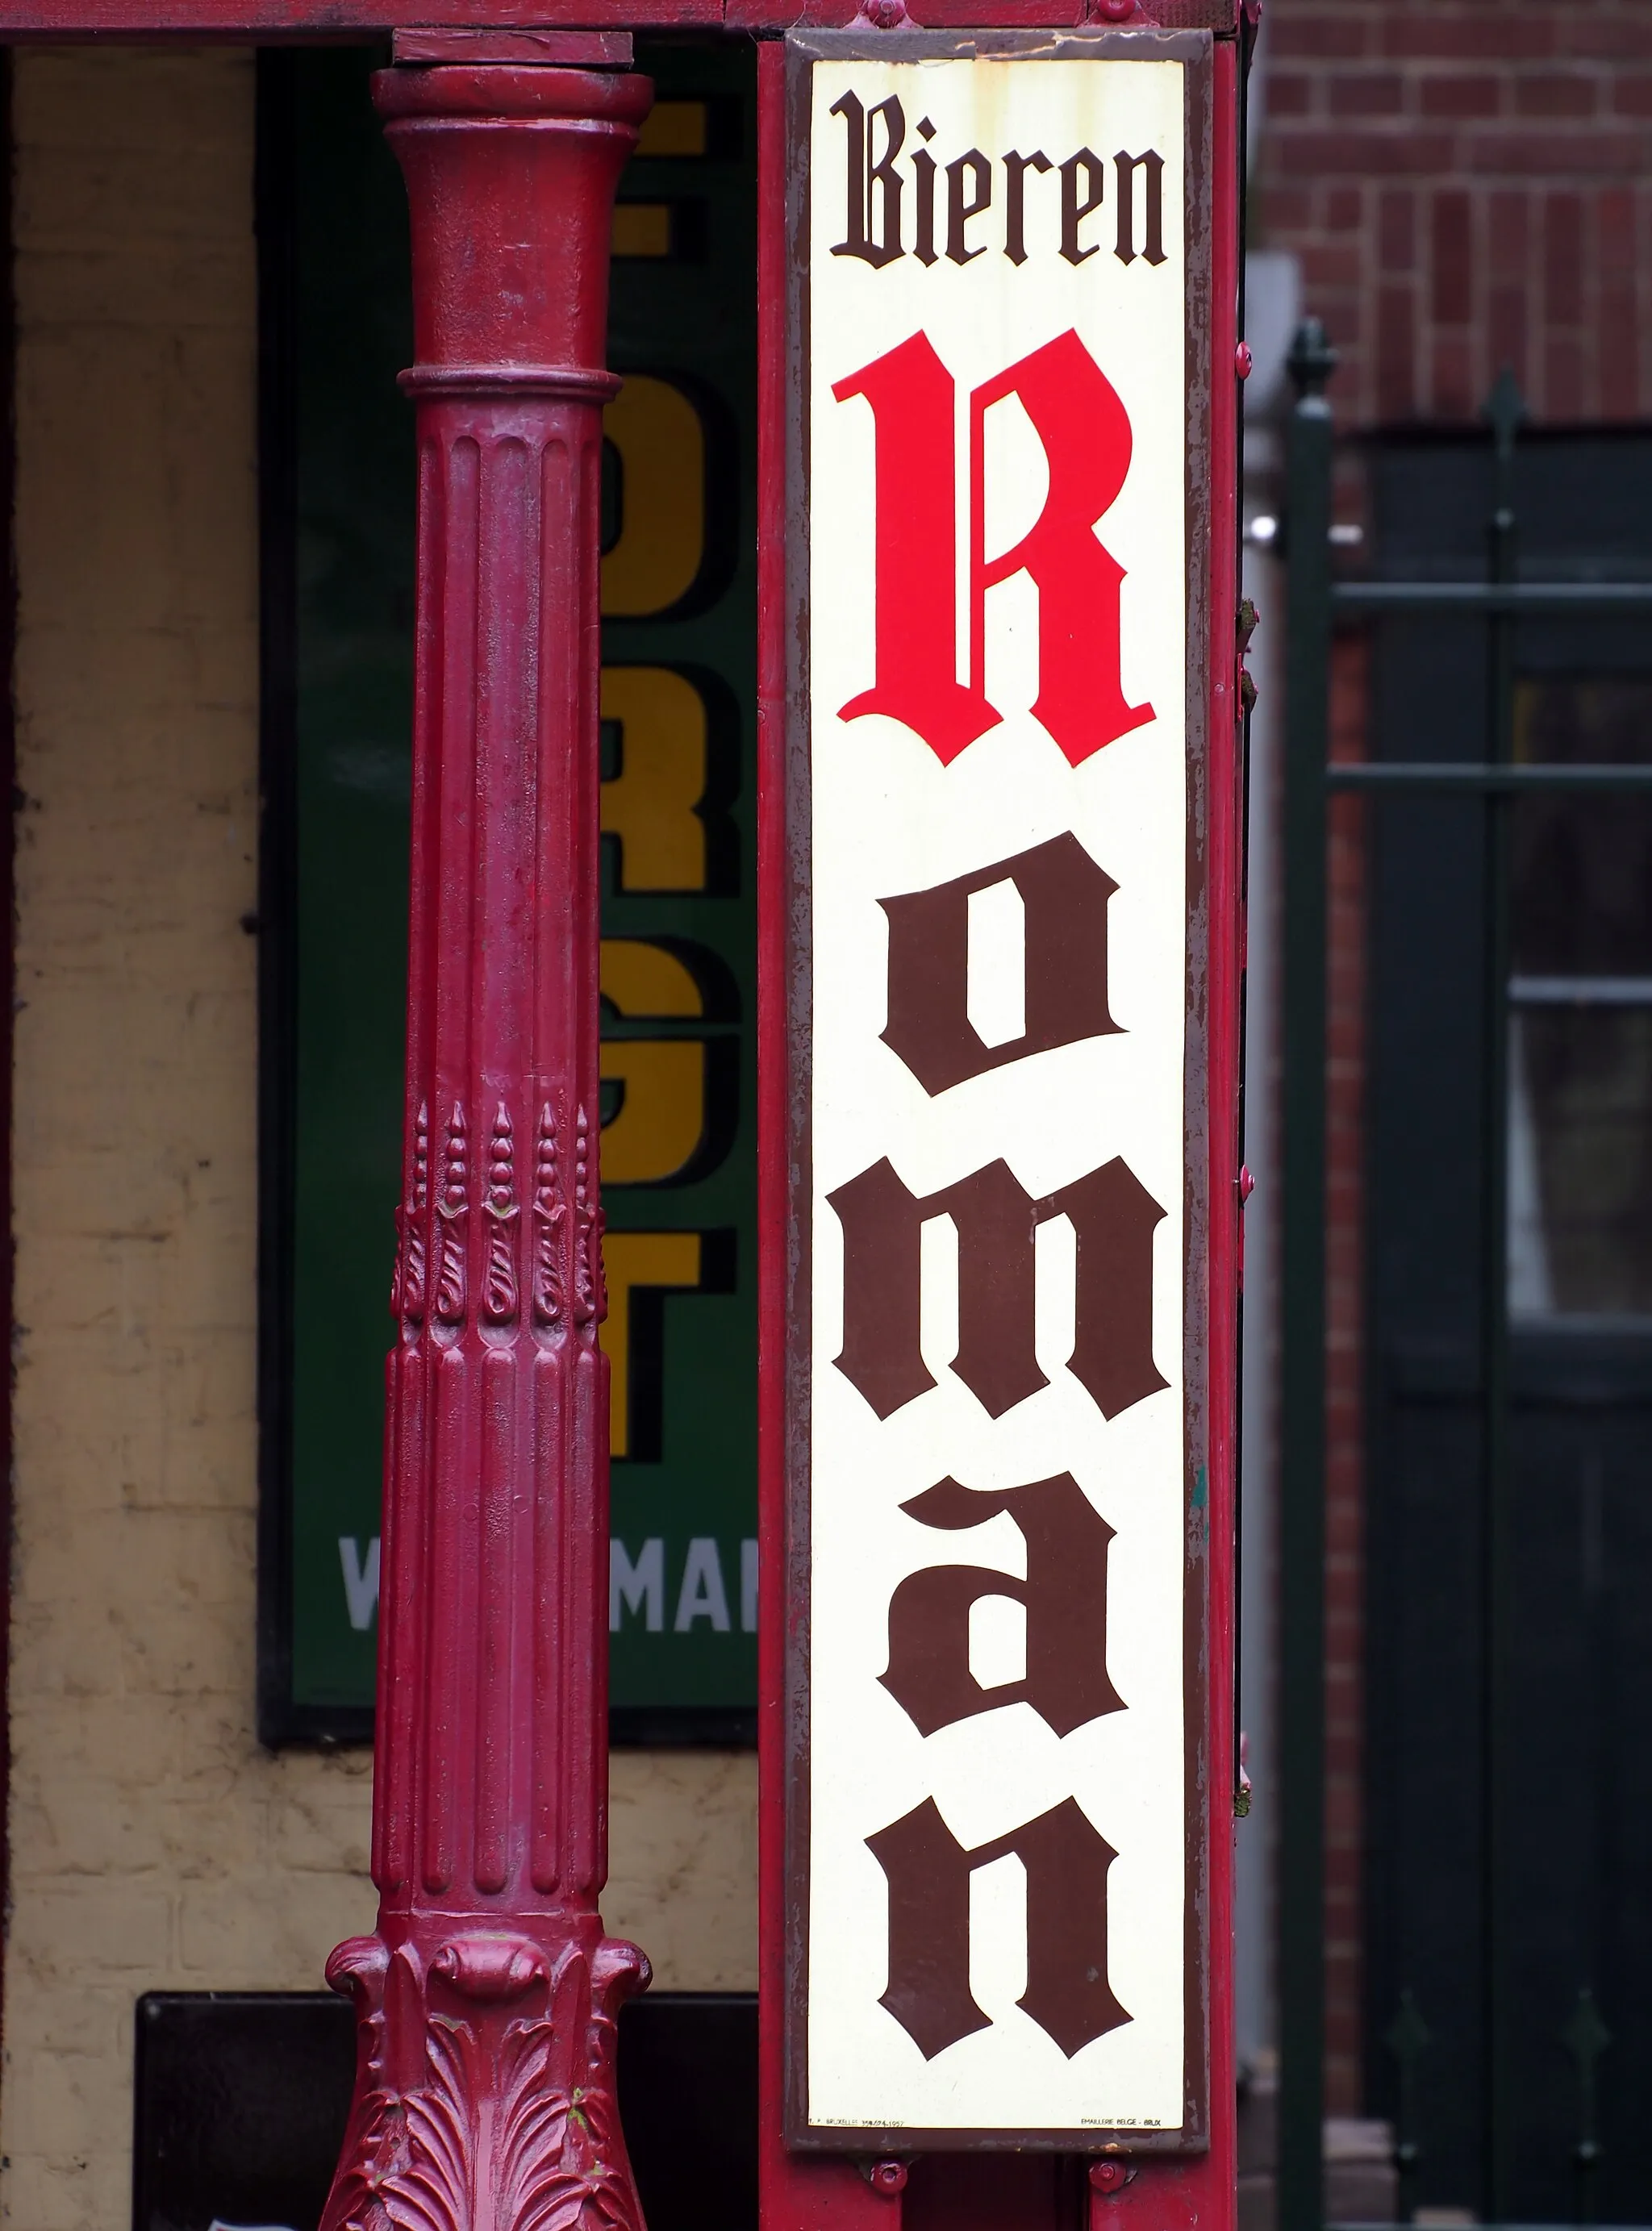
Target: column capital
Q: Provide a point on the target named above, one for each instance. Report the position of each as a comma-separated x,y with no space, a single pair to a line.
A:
510,172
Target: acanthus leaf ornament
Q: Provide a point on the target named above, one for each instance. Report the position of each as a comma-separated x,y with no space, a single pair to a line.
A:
509,2125
453,1208
499,1295
407,1289
550,1215
590,1290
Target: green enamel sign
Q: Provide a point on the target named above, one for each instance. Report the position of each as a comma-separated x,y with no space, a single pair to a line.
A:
679,744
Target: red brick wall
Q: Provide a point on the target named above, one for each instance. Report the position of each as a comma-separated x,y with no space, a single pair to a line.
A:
1468,182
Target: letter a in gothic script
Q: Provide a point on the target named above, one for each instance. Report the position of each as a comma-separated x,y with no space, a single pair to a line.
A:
998,1177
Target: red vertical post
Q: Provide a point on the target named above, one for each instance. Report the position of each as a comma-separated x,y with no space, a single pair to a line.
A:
487,1998
797,2193
1200,2192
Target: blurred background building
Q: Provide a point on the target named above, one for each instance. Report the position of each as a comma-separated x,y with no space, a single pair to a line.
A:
1461,193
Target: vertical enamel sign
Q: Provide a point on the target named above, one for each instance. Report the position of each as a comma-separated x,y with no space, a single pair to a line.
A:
998,1422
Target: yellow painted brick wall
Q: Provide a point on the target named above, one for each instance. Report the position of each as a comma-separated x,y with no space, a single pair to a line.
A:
154,1845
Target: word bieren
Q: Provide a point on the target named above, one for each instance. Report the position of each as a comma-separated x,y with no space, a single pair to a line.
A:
874,192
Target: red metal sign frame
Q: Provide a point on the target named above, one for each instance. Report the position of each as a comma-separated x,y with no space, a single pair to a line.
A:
1192,49
1128,2176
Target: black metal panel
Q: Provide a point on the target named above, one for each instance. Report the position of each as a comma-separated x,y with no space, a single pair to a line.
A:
1554,1904
240,2105
240,2100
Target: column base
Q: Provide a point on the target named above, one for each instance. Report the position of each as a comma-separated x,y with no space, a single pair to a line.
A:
485,2096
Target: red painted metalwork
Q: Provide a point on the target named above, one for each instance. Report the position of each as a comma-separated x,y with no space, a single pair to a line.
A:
488,1997
8,914
565,49
1122,2192
246,20
798,2192
1199,2192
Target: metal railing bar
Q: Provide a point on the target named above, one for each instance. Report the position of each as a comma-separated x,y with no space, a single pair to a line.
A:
1580,991
1300,1885
1484,776
1506,410
1480,599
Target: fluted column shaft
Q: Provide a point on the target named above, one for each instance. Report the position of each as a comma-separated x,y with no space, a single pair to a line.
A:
488,1996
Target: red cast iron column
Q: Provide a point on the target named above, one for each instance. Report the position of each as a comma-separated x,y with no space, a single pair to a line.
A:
487,1999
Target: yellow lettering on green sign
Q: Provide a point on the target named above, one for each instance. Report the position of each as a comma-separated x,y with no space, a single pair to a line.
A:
656,432
631,1260
649,805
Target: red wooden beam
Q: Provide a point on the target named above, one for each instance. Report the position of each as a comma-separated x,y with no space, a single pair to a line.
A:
277,22
562,49
488,1996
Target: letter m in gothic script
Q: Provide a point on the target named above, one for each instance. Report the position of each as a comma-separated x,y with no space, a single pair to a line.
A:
1113,1217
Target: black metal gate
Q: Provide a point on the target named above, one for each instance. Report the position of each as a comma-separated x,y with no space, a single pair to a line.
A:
1506,1183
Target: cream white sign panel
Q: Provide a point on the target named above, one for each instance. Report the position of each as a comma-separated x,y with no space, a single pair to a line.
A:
997,677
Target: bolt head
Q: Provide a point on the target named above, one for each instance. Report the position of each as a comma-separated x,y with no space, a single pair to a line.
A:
1116,11
1107,2175
1242,359
889,2178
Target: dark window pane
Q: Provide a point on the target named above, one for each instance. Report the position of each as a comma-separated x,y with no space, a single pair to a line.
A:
1582,866
1580,1162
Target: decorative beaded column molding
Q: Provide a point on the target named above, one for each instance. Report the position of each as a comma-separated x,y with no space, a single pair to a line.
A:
488,1997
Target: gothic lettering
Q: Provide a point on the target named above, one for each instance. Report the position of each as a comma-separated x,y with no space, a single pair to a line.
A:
994,1220
923,171
1113,1217
1015,169
880,1356
1064,895
960,210
914,631
874,185
1151,165
1065,1594
1074,212
928,1871
1085,434
980,1553
1085,430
